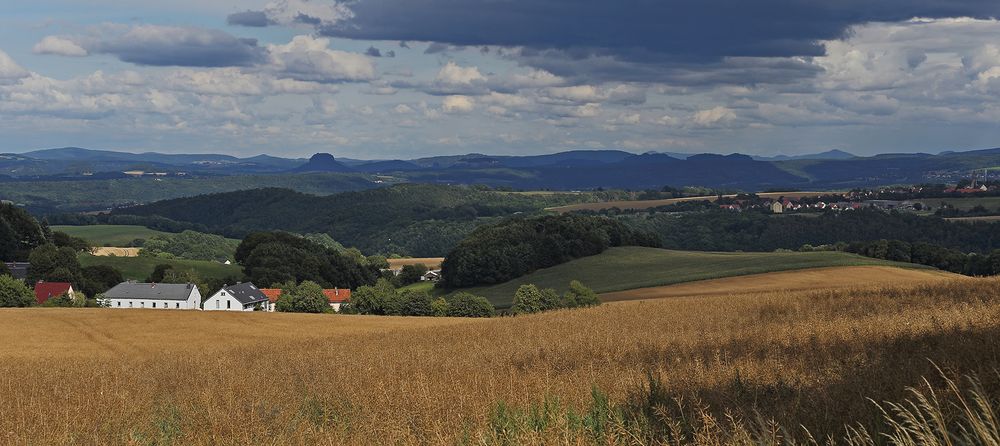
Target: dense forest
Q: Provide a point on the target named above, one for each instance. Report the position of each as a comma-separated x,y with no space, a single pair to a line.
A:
19,233
43,197
271,259
518,246
753,231
416,220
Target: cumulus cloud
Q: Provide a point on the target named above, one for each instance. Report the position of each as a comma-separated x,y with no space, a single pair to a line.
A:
453,74
457,104
629,39
10,71
314,13
583,94
59,46
713,117
306,58
158,45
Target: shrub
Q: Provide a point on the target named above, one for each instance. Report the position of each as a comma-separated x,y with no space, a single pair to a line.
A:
468,305
14,293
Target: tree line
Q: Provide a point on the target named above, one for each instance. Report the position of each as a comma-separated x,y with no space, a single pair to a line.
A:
519,246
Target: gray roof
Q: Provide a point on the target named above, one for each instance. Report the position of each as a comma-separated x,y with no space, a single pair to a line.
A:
19,270
151,291
247,293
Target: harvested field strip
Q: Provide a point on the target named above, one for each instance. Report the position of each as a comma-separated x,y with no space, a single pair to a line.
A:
791,281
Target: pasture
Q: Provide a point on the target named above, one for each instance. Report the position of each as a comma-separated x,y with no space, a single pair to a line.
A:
139,268
693,370
109,235
627,268
648,204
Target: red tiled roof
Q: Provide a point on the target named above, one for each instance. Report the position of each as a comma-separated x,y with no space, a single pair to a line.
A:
46,290
338,295
271,293
335,296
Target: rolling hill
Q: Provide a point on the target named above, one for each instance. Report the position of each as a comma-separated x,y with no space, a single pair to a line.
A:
628,268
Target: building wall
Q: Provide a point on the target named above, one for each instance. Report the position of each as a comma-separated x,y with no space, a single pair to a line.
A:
148,303
193,302
223,301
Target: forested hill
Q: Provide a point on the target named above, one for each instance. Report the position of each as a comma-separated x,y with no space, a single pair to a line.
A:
411,219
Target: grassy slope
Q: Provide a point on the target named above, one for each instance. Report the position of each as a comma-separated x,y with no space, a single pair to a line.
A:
139,268
109,235
627,268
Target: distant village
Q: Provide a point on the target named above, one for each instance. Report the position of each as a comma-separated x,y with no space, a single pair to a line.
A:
243,296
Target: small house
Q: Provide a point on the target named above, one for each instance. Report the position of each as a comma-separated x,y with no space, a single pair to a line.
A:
18,270
166,296
47,290
239,297
336,297
431,276
777,207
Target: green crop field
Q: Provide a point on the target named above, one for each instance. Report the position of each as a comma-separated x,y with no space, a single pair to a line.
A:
966,203
619,269
109,235
139,268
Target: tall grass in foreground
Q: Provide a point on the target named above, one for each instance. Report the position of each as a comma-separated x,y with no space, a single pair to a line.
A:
767,368
929,417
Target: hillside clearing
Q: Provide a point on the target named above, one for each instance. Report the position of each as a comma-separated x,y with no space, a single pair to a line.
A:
110,235
430,262
105,251
626,268
139,268
647,204
805,360
815,279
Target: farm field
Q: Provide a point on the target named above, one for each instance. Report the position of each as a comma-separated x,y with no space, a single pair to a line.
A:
991,203
806,360
647,204
626,268
109,235
815,279
429,262
139,268
988,219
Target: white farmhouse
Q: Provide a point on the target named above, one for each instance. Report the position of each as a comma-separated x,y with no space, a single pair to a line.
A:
168,296
239,297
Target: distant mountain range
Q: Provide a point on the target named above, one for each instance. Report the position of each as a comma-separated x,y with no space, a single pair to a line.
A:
578,169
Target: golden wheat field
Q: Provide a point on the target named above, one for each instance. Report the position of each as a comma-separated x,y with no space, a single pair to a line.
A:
804,359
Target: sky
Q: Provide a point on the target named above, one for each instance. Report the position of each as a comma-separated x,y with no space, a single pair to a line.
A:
383,79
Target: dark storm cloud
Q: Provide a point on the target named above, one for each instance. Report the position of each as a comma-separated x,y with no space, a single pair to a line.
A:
249,18
176,46
634,33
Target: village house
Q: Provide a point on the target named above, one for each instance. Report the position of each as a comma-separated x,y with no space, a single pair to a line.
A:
168,296
777,207
431,276
336,297
239,297
47,290
18,270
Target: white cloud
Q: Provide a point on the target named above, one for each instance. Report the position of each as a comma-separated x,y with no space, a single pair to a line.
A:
583,94
306,12
457,104
713,117
453,74
9,70
59,46
403,109
307,58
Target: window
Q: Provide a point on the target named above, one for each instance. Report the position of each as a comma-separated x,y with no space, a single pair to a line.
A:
177,305
229,304
142,304
154,304
119,303
130,304
216,304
